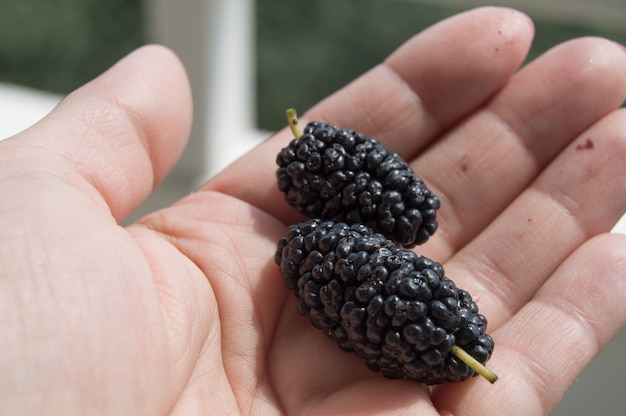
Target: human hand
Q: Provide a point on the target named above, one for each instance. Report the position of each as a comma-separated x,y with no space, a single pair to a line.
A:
185,312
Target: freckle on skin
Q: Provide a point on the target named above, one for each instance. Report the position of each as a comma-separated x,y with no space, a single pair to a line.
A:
588,145
464,164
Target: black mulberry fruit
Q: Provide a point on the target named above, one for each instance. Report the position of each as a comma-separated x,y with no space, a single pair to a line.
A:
341,175
396,310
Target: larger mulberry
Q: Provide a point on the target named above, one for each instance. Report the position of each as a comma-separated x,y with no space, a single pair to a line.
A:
396,310
339,174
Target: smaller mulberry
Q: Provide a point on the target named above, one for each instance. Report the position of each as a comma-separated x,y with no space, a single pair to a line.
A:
394,309
339,174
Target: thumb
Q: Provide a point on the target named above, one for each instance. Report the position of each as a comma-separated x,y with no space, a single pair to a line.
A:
119,135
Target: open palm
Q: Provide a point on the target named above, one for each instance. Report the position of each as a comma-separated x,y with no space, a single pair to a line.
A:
185,311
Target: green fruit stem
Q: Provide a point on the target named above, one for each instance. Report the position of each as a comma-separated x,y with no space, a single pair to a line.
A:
292,119
474,364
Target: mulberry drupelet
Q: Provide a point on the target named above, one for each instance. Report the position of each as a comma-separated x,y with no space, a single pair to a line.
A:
396,310
341,175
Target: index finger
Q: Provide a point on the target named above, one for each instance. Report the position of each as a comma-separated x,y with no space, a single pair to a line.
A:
429,83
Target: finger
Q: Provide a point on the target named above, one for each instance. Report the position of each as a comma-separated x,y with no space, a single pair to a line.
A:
120,134
548,343
487,161
423,87
433,79
581,194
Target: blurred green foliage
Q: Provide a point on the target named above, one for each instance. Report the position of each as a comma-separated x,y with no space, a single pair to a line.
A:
306,49
309,48
58,45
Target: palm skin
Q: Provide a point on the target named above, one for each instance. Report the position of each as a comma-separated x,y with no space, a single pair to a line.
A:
184,312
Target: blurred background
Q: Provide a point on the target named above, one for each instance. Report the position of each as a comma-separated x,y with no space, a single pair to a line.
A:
248,61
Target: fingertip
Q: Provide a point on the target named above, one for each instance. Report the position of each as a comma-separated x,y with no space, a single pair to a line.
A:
482,30
152,86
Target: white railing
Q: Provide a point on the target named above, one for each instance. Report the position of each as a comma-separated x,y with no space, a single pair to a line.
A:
21,107
215,40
